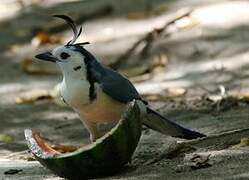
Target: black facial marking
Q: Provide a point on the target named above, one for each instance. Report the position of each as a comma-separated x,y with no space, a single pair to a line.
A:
92,92
77,68
64,55
88,61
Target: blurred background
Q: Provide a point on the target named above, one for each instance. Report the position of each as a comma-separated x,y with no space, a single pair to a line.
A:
188,58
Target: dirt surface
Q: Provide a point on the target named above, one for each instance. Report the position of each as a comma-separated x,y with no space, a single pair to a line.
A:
205,56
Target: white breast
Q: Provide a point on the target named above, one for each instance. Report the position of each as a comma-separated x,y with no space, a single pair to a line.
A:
101,110
75,92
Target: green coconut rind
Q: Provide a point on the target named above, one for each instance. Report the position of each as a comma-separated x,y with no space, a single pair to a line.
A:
104,157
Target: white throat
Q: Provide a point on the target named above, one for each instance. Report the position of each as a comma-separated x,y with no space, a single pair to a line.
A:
74,87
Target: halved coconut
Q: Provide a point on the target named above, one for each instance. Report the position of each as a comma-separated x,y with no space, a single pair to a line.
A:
104,157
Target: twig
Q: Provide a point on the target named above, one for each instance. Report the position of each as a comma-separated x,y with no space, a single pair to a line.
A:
232,136
150,37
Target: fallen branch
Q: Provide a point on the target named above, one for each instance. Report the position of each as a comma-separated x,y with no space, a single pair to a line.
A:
149,37
228,138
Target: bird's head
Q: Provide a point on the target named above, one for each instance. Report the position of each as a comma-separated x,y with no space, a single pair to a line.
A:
69,56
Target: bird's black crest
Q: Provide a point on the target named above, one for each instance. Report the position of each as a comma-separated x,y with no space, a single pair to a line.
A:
76,32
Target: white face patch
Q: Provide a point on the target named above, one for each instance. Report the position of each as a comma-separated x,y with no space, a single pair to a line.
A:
65,54
71,62
60,51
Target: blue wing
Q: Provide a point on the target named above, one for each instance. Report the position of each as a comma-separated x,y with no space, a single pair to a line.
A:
115,85
122,90
111,82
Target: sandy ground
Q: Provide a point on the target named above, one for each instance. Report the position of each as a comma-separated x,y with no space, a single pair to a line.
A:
201,58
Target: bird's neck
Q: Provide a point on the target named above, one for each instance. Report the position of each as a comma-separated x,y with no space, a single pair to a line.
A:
74,76
74,72
74,87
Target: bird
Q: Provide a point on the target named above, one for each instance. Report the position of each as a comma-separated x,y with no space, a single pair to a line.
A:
99,94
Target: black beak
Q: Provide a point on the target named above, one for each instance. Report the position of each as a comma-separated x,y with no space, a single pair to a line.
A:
47,56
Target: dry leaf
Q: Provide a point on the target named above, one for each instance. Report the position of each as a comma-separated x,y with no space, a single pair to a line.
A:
33,95
243,143
6,138
41,94
176,92
42,38
30,66
243,95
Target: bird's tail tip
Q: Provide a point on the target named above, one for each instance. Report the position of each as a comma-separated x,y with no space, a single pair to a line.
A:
160,123
190,134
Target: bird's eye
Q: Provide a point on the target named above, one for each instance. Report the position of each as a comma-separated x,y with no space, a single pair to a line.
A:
64,55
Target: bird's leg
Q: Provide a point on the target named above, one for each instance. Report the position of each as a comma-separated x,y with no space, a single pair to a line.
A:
92,129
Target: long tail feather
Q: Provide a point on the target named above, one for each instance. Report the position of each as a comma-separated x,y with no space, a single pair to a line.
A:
159,123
